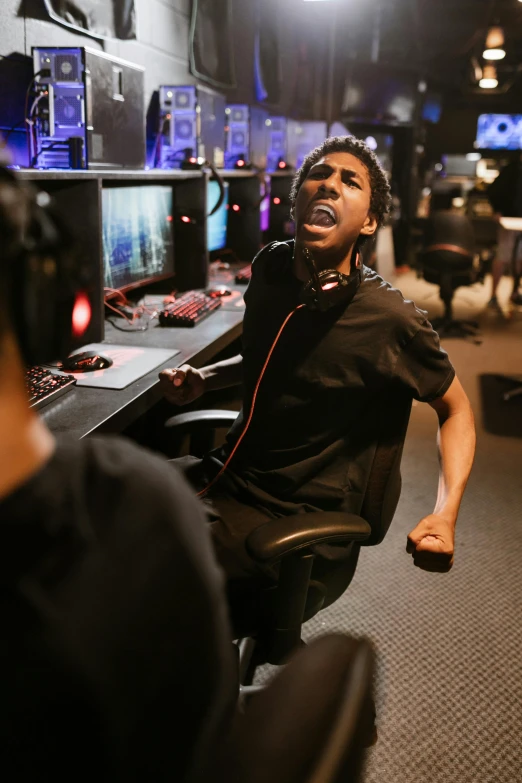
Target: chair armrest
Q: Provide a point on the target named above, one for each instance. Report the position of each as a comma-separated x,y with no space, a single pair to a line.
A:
197,420
286,535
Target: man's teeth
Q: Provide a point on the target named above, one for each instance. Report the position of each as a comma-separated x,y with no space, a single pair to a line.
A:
324,208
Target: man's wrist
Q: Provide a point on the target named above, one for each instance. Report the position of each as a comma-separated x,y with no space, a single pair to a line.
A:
449,514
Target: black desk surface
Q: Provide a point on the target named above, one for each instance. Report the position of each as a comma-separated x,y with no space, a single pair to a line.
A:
85,411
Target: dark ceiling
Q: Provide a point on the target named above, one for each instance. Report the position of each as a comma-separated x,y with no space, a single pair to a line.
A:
437,38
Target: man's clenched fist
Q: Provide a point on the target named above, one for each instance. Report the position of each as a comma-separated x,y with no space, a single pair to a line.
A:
432,543
182,385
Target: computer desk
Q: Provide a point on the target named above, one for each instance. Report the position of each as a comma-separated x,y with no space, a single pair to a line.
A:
85,411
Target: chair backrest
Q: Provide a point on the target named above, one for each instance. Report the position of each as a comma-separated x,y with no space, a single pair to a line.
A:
448,248
310,725
450,228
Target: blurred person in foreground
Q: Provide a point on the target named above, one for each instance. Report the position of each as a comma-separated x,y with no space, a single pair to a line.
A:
116,662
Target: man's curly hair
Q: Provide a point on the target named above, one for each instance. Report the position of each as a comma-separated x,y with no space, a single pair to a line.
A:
380,201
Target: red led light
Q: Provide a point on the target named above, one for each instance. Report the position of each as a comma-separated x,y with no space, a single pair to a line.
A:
185,219
193,160
241,163
282,164
277,200
81,314
168,116
236,207
169,218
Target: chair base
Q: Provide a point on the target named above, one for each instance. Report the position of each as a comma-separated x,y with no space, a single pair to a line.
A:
458,329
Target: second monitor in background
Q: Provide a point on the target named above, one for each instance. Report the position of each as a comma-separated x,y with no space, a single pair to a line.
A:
138,245
217,223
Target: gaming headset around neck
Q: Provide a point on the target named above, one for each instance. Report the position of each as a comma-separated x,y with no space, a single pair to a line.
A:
329,287
46,285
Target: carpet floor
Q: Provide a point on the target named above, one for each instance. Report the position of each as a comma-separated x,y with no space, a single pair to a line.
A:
449,646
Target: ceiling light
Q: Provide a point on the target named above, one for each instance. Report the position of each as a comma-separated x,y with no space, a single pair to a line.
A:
489,78
494,49
495,39
494,54
475,155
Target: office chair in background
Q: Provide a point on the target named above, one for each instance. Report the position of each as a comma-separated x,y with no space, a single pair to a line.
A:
316,553
447,259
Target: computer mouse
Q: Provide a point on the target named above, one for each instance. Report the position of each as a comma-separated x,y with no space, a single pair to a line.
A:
217,293
86,361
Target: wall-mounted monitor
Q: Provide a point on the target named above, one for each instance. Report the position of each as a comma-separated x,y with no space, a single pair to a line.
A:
137,235
380,95
302,138
216,223
499,132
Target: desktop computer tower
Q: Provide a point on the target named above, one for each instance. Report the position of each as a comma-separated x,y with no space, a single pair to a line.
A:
277,143
89,111
302,138
246,135
190,118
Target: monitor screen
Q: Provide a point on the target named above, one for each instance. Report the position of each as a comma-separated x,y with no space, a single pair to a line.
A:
264,207
137,235
499,132
460,165
217,223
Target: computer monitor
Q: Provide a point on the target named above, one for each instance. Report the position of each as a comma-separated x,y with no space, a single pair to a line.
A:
217,223
499,132
460,165
372,94
264,207
137,235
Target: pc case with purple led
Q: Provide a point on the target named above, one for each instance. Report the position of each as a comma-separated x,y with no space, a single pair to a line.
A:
277,144
88,111
246,136
191,123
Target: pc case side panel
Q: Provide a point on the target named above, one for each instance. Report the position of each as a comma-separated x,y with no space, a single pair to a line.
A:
115,113
258,136
303,137
237,134
211,121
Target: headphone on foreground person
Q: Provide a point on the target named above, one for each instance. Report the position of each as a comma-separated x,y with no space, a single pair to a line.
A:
45,283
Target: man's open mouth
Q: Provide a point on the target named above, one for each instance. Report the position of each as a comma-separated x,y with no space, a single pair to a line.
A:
322,215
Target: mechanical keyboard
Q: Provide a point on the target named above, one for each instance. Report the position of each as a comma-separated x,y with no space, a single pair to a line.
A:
44,387
244,274
188,309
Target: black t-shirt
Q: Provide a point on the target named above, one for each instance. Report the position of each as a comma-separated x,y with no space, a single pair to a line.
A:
308,445
116,661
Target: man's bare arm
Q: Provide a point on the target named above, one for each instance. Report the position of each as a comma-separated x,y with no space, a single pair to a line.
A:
182,385
432,540
223,374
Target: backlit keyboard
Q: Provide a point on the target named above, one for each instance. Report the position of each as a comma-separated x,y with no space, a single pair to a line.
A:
44,387
188,309
244,274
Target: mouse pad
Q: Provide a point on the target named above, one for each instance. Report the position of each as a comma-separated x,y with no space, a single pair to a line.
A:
129,364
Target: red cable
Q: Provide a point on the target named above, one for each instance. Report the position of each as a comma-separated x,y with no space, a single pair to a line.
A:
254,396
